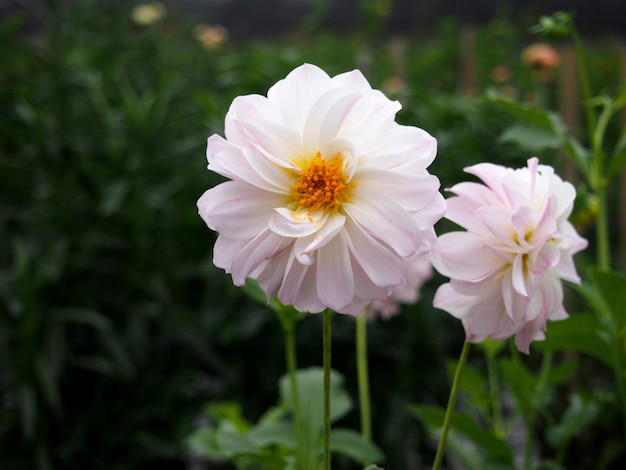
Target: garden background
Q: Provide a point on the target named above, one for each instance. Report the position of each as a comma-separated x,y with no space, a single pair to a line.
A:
116,330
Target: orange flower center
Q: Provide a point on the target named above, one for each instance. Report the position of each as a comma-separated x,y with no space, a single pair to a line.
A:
321,185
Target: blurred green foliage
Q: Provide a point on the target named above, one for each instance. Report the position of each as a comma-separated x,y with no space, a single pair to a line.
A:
115,328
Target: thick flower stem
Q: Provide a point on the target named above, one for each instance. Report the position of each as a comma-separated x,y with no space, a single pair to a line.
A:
451,404
290,355
327,343
362,370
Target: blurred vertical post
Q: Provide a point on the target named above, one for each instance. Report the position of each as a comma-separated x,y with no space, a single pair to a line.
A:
569,102
468,59
622,180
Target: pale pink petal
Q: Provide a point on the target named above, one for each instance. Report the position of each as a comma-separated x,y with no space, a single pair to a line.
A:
548,257
498,222
492,175
464,256
518,275
524,221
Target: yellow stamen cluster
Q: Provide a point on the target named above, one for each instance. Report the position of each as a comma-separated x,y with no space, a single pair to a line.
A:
321,185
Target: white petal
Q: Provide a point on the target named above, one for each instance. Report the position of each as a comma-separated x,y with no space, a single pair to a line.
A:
237,209
270,275
296,224
225,250
245,108
246,164
403,148
413,192
335,283
299,288
325,119
261,248
279,143
385,220
295,94
383,267
304,247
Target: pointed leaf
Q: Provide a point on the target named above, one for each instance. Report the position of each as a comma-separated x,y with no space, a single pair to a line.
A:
618,160
581,332
580,413
612,286
433,416
353,445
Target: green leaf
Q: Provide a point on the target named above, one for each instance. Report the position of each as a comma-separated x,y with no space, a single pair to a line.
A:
531,139
578,154
522,384
580,332
287,315
228,412
83,316
311,397
232,442
433,416
563,372
474,384
612,287
281,433
204,441
353,445
492,346
580,413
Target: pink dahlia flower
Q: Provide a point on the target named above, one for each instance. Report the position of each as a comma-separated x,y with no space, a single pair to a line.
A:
328,194
505,271
419,270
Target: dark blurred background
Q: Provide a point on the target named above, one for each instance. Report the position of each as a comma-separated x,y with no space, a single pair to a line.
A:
116,330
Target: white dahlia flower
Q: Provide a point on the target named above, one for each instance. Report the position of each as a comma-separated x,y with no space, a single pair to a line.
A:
328,194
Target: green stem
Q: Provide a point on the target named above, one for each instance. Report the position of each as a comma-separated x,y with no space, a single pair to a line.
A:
618,368
327,343
602,231
494,391
584,79
362,370
290,354
451,404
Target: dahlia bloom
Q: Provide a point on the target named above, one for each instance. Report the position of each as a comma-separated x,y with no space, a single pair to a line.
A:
418,270
506,269
327,193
